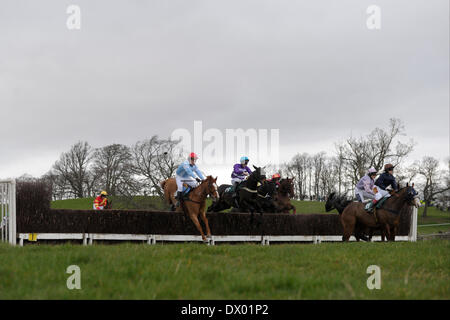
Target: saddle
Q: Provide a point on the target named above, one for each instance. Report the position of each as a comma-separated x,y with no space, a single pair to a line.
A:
186,190
369,207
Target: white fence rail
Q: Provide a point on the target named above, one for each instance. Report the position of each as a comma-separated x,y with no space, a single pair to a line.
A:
8,211
89,238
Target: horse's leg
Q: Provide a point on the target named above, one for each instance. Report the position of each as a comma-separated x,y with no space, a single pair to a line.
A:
388,231
293,208
205,220
370,234
198,226
393,232
348,224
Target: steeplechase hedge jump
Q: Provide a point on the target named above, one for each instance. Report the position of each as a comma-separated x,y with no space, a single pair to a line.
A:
34,215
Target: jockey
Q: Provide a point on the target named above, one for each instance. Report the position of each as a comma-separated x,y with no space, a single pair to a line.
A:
101,201
276,178
385,180
240,171
189,174
364,187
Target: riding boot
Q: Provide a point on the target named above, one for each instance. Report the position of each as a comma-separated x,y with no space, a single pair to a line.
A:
178,197
370,205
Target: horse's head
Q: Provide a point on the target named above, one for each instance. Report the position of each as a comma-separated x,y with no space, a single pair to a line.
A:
287,186
212,189
269,187
329,205
410,195
259,174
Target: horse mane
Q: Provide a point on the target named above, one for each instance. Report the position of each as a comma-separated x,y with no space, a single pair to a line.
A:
336,201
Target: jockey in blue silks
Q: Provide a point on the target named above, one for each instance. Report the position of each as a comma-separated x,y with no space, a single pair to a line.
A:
189,174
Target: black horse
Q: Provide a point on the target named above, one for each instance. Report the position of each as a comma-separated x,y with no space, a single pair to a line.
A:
246,194
267,193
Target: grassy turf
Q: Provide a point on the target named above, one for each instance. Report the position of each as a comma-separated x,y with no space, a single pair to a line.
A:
418,270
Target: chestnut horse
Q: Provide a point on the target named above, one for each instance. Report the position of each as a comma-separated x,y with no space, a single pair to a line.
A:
196,201
284,195
387,217
170,188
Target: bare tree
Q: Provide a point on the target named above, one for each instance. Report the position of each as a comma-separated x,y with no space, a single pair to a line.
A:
374,150
436,181
318,163
73,165
155,160
60,186
298,168
113,168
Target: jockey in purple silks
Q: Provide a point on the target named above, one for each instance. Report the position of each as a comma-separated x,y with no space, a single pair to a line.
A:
364,187
240,171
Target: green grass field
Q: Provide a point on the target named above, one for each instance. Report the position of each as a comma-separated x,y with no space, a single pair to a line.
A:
418,270
435,216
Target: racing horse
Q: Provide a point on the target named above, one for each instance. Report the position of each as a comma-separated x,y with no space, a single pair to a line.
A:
284,195
194,203
170,188
247,194
267,193
339,203
387,217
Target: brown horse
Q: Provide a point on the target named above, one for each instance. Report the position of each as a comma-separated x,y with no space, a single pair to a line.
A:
284,194
387,217
170,188
195,204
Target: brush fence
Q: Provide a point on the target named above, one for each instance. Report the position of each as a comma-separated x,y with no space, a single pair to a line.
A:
88,226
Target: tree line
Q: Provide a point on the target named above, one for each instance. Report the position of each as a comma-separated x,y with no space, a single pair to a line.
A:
123,170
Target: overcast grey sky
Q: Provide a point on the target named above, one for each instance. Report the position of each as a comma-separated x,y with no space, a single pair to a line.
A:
138,68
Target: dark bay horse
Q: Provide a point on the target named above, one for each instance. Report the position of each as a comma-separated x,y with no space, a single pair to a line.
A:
387,217
284,195
339,202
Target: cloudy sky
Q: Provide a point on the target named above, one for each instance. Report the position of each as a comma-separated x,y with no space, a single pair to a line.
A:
311,69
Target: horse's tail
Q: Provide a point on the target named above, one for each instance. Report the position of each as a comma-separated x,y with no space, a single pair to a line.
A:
166,191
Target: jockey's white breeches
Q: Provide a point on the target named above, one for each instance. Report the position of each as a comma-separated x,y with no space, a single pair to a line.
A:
236,181
363,194
381,193
98,208
191,182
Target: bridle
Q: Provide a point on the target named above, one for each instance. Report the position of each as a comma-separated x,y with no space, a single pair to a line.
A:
210,184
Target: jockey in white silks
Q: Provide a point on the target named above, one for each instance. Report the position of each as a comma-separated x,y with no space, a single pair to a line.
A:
364,187
385,180
189,174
